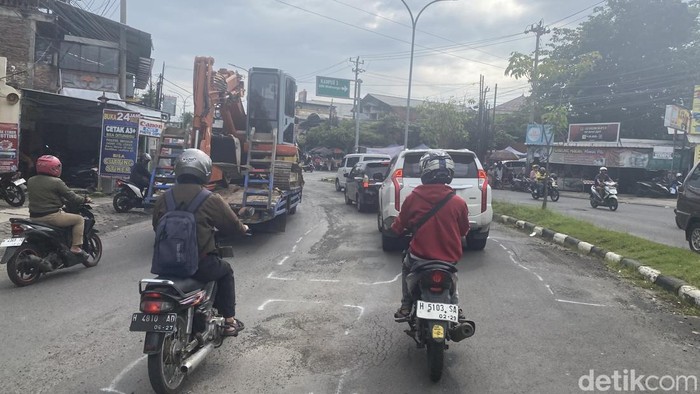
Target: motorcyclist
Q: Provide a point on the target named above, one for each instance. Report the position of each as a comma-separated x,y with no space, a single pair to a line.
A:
541,178
533,173
47,195
193,170
140,176
600,179
440,237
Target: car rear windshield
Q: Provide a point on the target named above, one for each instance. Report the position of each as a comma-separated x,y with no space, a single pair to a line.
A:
465,166
376,168
370,158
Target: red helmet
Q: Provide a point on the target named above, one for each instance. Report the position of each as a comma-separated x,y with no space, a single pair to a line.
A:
48,165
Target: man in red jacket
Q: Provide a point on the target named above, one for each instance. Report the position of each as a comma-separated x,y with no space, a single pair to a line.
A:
440,237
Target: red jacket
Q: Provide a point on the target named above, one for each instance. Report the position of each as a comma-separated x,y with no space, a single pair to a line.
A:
440,237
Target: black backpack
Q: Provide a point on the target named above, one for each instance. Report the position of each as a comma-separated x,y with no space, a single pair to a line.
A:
176,251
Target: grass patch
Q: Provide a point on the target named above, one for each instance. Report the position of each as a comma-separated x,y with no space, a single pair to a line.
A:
681,263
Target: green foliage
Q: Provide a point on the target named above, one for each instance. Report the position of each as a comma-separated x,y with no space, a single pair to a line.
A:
186,120
443,124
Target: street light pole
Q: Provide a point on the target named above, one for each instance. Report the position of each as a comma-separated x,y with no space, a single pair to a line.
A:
410,67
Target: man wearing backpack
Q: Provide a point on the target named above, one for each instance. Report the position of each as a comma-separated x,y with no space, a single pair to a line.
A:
192,171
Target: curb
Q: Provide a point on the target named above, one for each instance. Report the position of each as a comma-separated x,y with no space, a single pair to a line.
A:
671,284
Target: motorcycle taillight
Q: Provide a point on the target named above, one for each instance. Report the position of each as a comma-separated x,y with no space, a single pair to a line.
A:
437,278
17,229
154,303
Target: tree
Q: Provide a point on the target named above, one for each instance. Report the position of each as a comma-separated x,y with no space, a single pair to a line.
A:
186,120
148,98
443,124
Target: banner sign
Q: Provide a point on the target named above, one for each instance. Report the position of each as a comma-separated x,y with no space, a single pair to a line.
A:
585,132
695,119
9,145
663,152
119,142
611,157
538,134
150,128
677,118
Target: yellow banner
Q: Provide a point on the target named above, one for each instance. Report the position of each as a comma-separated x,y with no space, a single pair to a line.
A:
695,121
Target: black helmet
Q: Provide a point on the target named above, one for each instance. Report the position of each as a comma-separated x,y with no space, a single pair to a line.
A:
194,162
436,166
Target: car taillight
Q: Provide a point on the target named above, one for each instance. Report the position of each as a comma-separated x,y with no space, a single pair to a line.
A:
397,179
17,229
154,303
483,185
365,181
436,278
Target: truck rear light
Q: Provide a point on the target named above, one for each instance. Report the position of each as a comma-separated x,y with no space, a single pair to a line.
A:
397,180
483,185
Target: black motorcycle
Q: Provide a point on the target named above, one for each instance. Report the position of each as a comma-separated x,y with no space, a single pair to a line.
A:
37,248
537,189
12,188
128,196
181,324
83,176
434,318
520,183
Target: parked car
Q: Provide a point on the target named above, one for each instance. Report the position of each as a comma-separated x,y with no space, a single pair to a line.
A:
363,182
688,208
470,182
349,161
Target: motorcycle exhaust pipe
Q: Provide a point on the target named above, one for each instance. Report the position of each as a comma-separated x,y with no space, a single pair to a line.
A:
38,263
462,331
194,360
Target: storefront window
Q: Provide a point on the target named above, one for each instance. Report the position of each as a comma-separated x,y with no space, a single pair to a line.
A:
89,58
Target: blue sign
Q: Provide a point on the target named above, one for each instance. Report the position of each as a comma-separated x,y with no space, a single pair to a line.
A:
119,142
539,134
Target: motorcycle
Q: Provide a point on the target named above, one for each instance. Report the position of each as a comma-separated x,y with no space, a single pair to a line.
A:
12,189
128,196
655,188
536,189
434,318
308,167
37,248
520,183
181,324
676,184
609,198
84,176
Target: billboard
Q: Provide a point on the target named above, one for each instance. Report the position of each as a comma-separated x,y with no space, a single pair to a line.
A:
9,146
151,128
119,142
538,134
695,118
677,118
597,132
332,87
169,105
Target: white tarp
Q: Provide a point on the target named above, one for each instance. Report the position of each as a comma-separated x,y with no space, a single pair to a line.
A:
389,150
517,153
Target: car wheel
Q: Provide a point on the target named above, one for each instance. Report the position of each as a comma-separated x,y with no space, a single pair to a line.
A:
694,236
358,203
337,185
347,199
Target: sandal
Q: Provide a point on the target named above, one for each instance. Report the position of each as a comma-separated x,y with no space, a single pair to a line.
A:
403,312
232,329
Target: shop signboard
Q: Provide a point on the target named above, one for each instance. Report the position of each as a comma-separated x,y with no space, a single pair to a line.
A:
9,146
594,132
538,134
695,118
119,142
611,157
677,118
150,128
663,152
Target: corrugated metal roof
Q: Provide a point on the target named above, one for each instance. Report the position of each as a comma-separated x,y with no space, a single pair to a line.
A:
399,102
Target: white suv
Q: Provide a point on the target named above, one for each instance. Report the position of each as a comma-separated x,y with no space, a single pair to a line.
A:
470,183
349,161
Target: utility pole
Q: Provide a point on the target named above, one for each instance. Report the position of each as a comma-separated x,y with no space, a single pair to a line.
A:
122,49
356,113
493,115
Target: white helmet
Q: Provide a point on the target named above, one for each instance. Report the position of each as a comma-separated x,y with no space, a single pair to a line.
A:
436,166
603,169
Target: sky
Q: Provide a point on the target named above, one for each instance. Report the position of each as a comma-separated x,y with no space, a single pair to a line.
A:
455,41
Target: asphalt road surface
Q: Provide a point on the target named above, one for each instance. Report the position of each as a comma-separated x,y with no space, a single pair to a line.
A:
318,301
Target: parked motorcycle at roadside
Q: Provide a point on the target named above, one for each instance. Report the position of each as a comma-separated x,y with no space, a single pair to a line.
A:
520,183
37,248
308,167
434,318
83,176
128,196
181,324
654,188
609,197
537,189
12,189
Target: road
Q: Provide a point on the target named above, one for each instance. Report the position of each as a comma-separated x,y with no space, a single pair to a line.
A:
652,219
317,301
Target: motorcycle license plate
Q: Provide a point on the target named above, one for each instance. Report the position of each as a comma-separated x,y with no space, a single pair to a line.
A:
19,181
436,311
153,322
11,242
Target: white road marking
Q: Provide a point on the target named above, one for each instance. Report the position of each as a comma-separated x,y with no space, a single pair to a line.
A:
361,308
270,276
324,280
283,260
113,385
294,248
308,232
299,240
539,277
340,382
381,283
579,303
264,304
550,289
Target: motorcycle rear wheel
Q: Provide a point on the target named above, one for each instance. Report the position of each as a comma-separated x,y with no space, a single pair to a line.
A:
94,250
436,358
14,195
164,367
121,203
16,270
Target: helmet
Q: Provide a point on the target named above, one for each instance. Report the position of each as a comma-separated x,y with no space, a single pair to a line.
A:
436,166
194,162
535,166
48,165
145,157
603,169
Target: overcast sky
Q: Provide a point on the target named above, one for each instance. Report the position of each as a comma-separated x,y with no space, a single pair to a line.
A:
456,41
